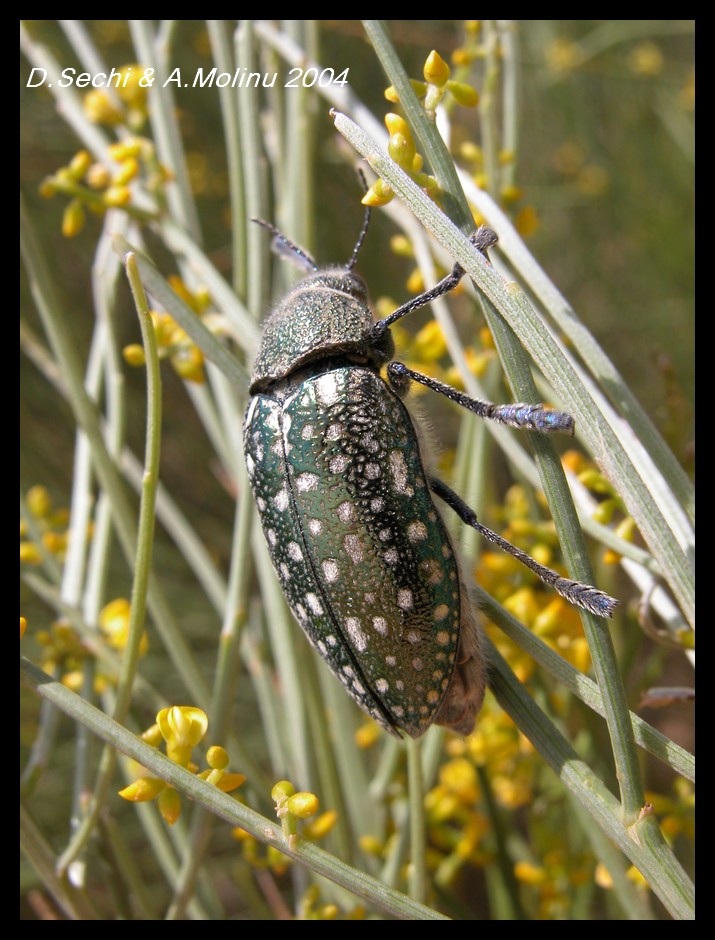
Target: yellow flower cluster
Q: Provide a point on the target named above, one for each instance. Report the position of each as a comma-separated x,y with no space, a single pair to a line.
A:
290,807
122,105
95,186
64,652
181,727
47,532
438,83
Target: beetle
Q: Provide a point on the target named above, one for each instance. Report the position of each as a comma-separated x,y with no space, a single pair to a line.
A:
347,506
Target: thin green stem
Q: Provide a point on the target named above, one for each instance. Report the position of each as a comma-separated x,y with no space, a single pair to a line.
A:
140,585
418,825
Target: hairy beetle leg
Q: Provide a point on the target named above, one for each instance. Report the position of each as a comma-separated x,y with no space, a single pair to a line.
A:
581,595
522,415
482,240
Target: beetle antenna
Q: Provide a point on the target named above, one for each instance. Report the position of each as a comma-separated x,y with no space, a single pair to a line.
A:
363,231
285,248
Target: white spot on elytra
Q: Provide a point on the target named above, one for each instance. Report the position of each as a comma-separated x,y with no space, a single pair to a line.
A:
338,463
261,503
271,536
413,636
250,465
334,432
417,531
382,685
349,671
369,597
400,685
354,548
281,499
404,598
372,471
294,551
272,420
285,571
326,388
330,569
356,633
307,432
385,535
331,640
315,526
376,505
314,603
391,556
307,481
417,664
346,512
399,472
300,611
359,687
392,661
380,624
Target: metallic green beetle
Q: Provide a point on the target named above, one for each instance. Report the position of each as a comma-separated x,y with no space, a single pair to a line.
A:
359,546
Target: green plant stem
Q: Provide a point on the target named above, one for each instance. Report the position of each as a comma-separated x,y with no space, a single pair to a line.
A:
487,107
222,804
418,825
634,901
254,177
163,115
140,585
225,61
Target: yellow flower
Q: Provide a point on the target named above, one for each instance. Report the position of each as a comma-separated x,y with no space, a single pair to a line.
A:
143,790
114,621
182,727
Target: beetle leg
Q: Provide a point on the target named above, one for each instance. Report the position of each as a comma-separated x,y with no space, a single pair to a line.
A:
521,415
581,595
482,240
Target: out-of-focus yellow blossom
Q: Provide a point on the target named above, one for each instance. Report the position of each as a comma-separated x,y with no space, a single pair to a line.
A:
367,735
319,827
114,621
94,187
646,59
101,109
563,55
